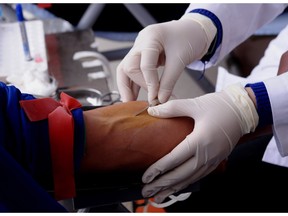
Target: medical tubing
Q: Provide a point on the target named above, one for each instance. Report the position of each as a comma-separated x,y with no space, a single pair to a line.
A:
263,103
218,38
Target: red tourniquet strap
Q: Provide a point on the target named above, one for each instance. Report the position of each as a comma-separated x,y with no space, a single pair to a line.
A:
61,133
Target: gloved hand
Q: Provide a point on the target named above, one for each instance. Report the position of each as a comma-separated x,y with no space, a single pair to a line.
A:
220,120
174,44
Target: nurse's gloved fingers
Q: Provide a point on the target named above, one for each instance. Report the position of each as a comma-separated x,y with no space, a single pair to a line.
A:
177,188
172,108
149,64
130,78
172,71
127,88
180,177
175,159
171,178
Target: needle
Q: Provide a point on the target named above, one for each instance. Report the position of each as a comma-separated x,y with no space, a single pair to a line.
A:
153,103
142,111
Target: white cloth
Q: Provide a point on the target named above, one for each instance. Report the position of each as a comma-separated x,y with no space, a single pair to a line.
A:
273,156
239,21
34,79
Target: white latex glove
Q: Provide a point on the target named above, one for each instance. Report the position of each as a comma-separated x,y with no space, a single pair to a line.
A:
221,119
173,44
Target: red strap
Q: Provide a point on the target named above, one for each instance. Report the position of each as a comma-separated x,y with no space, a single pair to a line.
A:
39,109
44,5
61,133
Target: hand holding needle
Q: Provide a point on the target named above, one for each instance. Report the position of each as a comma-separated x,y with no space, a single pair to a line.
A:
153,103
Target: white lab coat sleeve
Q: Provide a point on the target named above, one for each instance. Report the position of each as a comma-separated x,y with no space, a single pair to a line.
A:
239,21
277,88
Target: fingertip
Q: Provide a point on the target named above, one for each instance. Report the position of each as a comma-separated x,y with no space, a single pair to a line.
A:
125,97
163,96
147,178
154,102
147,193
160,111
153,111
124,100
159,199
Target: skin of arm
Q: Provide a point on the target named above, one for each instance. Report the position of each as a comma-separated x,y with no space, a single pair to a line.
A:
118,140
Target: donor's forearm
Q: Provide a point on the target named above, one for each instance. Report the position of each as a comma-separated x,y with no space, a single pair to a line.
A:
118,140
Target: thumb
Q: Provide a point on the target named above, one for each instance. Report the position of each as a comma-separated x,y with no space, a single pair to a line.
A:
170,109
166,110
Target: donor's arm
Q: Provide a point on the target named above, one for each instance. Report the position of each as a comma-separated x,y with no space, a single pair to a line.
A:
118,140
